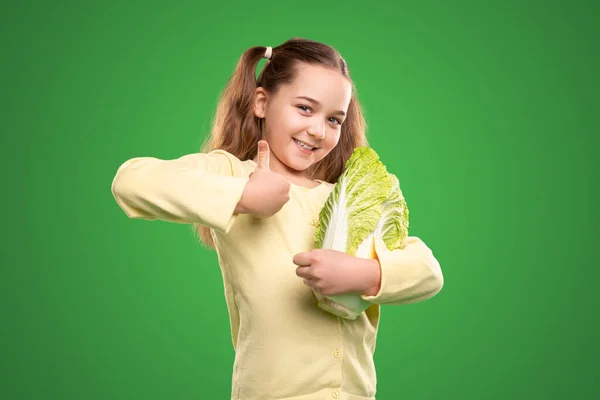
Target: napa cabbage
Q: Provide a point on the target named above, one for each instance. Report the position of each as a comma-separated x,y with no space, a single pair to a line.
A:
365,205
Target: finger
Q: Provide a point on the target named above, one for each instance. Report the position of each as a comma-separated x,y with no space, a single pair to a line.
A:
304,272
308,282
302,259
263,155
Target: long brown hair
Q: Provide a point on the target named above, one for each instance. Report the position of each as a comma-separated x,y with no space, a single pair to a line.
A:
237,130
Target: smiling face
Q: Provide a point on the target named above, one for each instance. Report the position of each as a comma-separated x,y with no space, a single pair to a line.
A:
292,121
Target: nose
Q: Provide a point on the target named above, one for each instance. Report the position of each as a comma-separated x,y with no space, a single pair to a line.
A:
317,130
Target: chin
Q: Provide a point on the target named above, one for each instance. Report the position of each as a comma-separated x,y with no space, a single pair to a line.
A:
298,165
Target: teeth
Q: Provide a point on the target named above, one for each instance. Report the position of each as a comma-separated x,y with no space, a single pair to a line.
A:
303,145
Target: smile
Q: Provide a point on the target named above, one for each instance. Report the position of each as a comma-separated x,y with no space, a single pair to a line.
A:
304,146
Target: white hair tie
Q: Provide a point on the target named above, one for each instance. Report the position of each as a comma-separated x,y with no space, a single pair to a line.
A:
268,53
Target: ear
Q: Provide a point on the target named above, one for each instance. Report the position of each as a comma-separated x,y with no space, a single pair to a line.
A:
260,102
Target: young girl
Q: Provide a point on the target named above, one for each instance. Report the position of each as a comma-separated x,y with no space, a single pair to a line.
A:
278,145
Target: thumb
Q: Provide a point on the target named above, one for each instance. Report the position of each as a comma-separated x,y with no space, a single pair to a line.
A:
263,155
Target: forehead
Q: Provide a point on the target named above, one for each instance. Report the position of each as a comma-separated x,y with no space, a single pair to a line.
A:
325,85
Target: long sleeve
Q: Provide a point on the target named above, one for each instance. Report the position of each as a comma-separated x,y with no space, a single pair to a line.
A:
408,275
195,188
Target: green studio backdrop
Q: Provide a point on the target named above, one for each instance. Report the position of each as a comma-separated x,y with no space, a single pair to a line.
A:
486,111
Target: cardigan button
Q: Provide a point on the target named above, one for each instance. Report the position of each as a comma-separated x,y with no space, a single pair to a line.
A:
335,395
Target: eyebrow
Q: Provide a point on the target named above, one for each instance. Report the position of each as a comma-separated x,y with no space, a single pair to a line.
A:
311,100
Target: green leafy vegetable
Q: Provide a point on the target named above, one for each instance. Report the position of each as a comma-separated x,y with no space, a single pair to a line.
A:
366,204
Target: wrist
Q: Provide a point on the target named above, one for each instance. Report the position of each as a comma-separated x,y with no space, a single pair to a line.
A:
242,205
373,283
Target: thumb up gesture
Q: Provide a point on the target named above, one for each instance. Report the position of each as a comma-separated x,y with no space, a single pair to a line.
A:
266,191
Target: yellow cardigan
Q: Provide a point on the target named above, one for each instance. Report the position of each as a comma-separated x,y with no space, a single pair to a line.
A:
286,347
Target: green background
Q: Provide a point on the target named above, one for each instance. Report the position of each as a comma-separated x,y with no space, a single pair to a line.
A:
486,111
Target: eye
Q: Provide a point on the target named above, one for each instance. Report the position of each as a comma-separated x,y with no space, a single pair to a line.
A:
305,108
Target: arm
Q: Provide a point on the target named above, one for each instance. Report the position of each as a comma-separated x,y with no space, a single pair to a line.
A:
406,275
195,188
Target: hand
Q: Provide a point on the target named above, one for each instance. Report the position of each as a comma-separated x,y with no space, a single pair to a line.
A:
266,191
331,272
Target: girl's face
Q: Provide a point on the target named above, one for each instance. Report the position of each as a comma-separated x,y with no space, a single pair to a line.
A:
293,122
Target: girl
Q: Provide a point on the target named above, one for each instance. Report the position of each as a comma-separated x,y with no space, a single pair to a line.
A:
278,145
